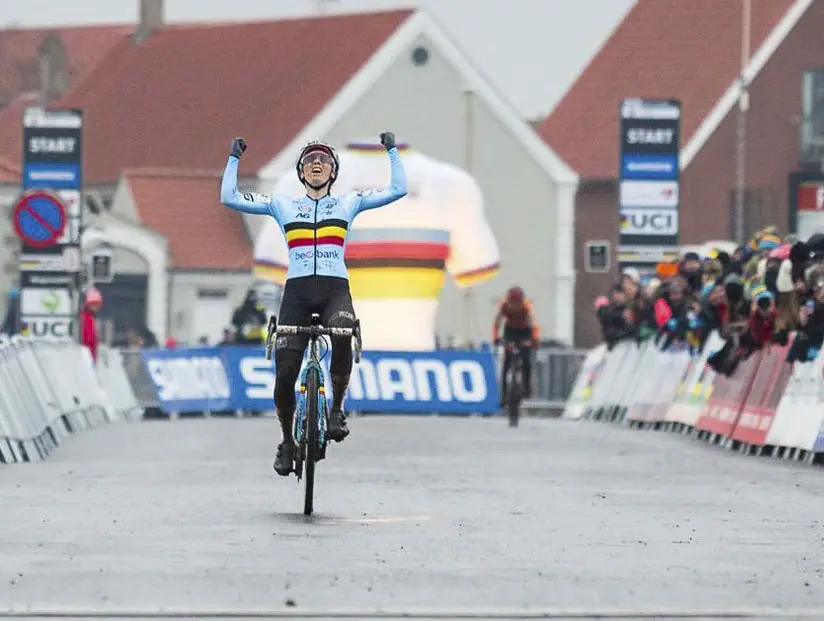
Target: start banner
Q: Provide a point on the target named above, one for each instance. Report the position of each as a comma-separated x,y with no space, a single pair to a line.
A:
241,378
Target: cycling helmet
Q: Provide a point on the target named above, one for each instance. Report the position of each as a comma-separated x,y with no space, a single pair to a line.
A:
515,293
317,145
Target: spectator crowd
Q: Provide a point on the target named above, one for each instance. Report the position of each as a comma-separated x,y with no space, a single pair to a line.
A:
768,291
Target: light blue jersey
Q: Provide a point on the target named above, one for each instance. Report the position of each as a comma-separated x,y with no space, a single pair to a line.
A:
315,230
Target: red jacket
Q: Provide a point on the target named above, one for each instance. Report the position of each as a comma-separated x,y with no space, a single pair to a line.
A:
663,312
762,327
88,327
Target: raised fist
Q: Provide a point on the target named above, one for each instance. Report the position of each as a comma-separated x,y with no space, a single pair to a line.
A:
238,147
388,140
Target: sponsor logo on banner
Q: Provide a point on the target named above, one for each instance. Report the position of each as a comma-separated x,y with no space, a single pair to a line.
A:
241,378
647,254
650,166
45,279
648,221
810,196
60,327
51,118
649,194
320,254
190,378
650,109
41,263
45,301
57,176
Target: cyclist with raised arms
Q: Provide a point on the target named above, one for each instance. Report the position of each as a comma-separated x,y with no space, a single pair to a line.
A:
315,227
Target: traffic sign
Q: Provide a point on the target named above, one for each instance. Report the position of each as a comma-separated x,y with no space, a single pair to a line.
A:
39,219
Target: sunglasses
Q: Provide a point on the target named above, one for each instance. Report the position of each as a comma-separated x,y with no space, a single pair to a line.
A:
316,156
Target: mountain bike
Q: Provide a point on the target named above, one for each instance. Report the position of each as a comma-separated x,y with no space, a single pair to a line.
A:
312,411
515,391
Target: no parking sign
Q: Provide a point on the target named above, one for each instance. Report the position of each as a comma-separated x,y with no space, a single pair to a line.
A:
39,219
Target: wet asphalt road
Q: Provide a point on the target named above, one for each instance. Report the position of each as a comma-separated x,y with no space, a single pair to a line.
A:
443,516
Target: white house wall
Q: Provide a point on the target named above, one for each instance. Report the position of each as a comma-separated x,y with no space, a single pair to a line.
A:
427,107
124,261
184,297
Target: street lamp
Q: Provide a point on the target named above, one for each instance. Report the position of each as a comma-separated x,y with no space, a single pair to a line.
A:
741,134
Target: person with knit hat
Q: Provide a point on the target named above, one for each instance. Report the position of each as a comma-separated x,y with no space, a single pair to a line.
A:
615,317
714,312
691,270
762,317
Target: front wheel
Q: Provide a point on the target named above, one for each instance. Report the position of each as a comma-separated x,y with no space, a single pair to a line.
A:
311,440
514,399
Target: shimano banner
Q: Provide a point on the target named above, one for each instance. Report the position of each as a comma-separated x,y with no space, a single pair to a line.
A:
240,378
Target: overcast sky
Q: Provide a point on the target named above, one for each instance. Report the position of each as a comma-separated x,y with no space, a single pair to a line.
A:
531,49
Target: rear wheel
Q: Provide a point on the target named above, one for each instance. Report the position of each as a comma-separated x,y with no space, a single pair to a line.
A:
311,440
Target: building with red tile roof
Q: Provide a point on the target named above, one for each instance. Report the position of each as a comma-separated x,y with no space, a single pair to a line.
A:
175,99
183,205
692,52
20,50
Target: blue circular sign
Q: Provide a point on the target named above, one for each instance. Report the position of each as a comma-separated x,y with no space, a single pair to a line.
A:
39,219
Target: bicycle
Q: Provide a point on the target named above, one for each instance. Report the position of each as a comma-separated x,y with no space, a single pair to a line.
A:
515,392
312,412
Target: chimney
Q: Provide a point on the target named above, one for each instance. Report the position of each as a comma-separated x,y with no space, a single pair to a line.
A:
54,69
151,19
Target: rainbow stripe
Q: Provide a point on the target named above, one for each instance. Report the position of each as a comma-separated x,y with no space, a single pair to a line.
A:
382,263
388,283
474,277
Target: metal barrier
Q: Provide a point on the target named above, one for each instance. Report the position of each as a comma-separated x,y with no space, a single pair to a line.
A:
113,378
48,389
139,379
554,372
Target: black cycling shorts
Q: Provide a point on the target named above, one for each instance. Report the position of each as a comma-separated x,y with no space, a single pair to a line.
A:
517,335
326,295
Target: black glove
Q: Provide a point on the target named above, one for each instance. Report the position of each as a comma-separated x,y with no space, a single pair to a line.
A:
238,147
388,140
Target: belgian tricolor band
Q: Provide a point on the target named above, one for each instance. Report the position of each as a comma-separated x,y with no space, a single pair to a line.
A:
325,232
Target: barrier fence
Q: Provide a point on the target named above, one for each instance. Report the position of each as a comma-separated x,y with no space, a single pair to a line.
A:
768,406
238,379
50,388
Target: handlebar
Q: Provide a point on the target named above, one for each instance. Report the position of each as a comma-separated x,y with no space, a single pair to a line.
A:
316,331
313,330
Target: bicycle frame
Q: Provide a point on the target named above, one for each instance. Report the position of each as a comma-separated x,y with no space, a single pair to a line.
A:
315,331
300,411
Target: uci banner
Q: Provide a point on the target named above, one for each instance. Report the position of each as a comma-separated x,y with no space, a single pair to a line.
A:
240,378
